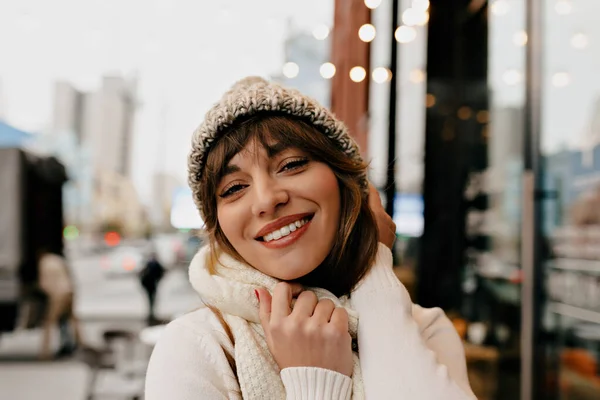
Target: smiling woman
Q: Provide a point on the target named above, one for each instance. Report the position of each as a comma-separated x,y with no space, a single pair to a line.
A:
299,253
269,172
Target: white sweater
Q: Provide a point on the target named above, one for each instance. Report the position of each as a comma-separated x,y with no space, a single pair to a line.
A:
406,352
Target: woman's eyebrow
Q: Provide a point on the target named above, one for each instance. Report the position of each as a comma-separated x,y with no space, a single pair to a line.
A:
276,148
230,169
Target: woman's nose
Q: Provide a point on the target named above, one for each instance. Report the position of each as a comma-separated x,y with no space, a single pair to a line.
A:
268,196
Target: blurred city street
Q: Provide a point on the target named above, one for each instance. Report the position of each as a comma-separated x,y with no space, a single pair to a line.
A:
479,121
104,302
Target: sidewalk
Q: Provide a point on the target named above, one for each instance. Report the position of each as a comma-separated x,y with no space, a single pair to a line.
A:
124,299
48,381
120,306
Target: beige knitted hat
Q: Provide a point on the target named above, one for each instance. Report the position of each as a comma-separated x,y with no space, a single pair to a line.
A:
254,95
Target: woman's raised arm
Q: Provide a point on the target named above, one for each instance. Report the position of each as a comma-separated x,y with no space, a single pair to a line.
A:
406,352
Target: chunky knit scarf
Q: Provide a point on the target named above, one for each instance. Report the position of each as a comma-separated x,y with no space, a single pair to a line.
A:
230,289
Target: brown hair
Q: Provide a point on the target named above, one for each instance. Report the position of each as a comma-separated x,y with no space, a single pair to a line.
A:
356,246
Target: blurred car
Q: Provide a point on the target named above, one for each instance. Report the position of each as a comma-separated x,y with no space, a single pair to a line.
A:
167,248
177,250
123,261
189,248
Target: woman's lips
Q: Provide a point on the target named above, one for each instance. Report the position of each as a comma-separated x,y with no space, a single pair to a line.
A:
281,222
287,240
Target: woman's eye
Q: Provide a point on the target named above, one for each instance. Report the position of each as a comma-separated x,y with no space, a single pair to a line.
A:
294,164
231,190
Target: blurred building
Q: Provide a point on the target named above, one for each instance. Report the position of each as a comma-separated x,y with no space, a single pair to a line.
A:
116,205
107,124
92,132
68,112
164,188
304,55
2,102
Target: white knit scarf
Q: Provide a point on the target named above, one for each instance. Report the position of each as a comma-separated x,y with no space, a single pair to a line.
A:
231,290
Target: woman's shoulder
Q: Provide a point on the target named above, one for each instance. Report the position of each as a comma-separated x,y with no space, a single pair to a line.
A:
195,337
199,332
193,355
200,323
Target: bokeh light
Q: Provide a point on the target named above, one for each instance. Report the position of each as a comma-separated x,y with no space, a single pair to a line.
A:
372,4
321,32
512,77
580,41
405,34
381,75
358,74
291,70
367,33
327,70
561,79
417,75
500,7
520,38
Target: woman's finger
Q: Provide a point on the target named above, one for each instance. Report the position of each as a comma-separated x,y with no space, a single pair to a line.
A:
339,317
305,305
264,311
282,299
296,288
323,310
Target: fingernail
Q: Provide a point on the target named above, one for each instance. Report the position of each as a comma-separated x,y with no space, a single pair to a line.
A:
256,294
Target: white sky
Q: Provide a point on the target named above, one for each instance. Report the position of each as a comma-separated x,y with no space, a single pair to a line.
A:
185,52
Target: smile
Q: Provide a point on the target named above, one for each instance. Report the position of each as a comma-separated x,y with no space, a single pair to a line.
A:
286,230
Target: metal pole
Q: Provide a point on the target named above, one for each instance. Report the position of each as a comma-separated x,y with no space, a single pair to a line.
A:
390,187
530,255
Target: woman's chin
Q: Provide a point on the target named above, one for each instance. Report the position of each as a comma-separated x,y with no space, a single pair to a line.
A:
291,274
290,263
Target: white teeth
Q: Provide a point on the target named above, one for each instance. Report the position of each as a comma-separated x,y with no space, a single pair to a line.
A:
284,231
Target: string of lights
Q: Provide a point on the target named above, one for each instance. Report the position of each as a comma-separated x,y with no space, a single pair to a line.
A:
415,16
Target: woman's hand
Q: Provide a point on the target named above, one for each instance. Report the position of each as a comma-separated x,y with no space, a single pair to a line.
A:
385,224
313,334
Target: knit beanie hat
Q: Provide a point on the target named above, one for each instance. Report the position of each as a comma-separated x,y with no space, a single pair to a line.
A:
253,95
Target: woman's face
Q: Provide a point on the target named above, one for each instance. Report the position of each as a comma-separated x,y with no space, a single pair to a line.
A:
279,209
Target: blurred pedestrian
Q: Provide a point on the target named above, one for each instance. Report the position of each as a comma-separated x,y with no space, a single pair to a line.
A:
56,283
150,277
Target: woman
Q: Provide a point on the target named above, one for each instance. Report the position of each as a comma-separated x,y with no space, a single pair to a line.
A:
292,266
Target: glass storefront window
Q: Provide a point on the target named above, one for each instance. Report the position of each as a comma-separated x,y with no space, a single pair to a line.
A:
492,276
570,156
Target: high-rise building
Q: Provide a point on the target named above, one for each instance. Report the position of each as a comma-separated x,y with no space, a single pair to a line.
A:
107,126
101,121
92,133
68,110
